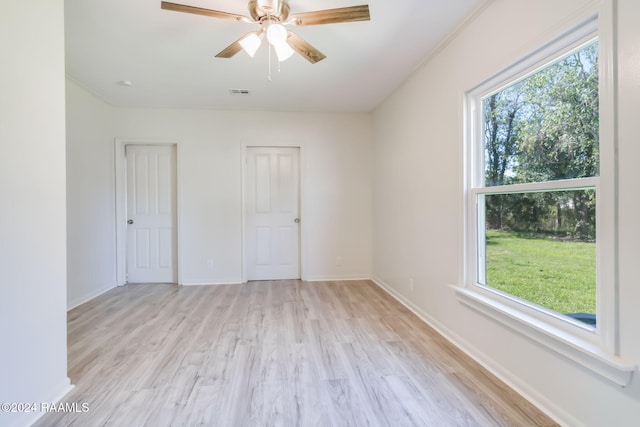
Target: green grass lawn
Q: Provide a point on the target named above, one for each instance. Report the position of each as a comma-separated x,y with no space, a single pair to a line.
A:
559,275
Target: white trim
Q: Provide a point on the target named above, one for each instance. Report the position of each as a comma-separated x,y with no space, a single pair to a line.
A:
336,278
319,278
55,396
243,214
86,298
559,185
215,282
549,407
570,345
607,197
121,212
121,204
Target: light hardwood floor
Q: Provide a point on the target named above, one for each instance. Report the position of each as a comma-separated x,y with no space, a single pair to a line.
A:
280,353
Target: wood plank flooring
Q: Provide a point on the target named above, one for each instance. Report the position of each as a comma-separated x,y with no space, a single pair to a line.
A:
277,353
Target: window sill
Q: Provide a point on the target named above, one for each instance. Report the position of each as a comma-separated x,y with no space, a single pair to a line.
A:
585,353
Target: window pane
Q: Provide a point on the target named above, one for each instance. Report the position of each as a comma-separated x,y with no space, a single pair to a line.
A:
545,127
540,247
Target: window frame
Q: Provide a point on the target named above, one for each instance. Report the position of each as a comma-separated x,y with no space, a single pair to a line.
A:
595,348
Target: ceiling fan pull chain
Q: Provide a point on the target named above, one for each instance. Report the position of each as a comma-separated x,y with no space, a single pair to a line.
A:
269,47
279,62
269,44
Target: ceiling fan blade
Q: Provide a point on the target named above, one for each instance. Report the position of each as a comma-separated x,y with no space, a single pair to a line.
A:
309,52
232,49
201,11
332,16
236,46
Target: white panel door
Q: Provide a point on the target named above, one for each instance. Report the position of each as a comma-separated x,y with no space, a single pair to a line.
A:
272,249
151,214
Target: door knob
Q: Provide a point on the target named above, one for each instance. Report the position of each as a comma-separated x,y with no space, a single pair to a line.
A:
297,220
130,222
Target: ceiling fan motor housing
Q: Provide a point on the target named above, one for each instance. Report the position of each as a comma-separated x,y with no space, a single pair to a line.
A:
261,9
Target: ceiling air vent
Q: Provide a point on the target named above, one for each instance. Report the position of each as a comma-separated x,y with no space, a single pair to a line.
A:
239,91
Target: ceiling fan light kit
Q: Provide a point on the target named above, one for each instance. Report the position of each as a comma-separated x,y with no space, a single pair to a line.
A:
251,42
272,16
277,36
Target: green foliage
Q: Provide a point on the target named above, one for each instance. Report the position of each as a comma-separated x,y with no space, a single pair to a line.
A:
560,135
545,128
547,213
556,274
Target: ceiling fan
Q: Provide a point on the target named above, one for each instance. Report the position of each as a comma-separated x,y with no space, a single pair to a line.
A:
272,16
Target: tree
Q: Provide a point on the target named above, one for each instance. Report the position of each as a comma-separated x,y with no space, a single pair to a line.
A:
545,128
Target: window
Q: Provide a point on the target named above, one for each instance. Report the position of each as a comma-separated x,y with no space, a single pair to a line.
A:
536,200
540,199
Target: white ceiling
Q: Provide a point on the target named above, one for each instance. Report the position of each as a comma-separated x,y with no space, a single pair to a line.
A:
169,56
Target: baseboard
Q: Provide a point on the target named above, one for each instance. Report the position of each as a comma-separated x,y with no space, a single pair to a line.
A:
214,283
55,396
336,278
555,412
319,278
86,298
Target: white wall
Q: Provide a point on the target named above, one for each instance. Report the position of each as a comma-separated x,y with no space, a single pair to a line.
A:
336,155
418,206
33,353
91,244
336,180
